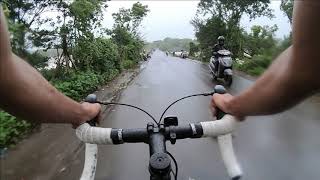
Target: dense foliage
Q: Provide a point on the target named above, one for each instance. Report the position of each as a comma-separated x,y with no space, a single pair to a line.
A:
85,54
11,129
253,50
287,8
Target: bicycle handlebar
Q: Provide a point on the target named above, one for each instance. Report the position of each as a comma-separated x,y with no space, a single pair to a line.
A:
156,137
221,129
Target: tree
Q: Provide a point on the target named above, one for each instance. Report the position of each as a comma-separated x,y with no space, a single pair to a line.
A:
222,17
207,34
125,32
193,48
260,39
232,11
130,19
287,7
75,22
21,16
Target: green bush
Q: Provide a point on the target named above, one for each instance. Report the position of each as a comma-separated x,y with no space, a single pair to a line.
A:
127,64
12,129
79,84
37,60
111,75
256,65
100,55
48,73
256,71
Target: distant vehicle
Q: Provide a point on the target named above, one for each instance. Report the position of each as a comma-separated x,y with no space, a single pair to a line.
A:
177,53
224,70
181,54
184,54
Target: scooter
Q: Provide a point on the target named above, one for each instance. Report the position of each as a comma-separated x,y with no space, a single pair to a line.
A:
224,69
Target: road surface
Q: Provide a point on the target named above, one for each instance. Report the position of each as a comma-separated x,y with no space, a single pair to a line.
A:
280,147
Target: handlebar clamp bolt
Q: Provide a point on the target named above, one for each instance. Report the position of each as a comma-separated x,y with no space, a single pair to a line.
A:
173,137
162,128
150,127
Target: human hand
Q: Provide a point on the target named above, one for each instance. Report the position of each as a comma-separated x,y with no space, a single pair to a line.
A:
223,102
90,111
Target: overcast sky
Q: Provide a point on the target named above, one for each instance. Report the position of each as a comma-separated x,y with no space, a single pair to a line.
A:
172,18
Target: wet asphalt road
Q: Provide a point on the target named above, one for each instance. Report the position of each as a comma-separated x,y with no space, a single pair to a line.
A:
280,147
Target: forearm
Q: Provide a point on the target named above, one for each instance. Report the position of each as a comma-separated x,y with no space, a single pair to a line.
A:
23,91
295,73
282,86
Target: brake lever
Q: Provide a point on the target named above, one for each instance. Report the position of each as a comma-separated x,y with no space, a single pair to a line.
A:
92,98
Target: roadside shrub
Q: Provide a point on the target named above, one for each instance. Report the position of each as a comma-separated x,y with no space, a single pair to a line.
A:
78,84
255,66
12,129
100,55
127,64
37,60
111,75
48,73
256,71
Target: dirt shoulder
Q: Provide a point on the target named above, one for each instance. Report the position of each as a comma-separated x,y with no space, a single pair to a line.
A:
45,153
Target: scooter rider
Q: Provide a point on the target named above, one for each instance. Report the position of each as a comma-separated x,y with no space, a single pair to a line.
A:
217,47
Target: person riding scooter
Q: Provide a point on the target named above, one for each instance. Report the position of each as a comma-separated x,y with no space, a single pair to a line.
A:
217,47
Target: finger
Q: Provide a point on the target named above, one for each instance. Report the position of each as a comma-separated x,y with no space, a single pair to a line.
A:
96,112
99,118
94,108
213,103
214,111
217,100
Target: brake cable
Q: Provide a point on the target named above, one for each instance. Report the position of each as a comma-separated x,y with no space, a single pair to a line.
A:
202,94
175,164
128,105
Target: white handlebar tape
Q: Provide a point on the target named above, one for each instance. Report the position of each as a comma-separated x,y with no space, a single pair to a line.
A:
90,162
229,157
219,127
222,129
94,135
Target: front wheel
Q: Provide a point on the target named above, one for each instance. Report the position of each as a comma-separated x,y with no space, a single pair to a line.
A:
228,80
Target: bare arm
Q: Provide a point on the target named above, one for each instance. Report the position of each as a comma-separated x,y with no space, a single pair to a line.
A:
293,76
25,93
